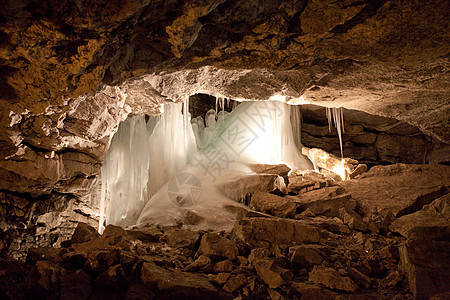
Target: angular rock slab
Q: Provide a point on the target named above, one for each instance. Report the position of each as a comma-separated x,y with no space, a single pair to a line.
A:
262,232
398,188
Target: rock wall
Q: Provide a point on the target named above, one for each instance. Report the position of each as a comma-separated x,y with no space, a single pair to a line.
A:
371,139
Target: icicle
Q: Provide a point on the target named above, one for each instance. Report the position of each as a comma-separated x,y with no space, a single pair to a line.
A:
336,115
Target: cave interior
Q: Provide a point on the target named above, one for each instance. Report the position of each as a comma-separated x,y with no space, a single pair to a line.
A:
231,149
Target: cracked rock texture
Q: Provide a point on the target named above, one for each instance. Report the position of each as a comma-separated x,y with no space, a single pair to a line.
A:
70,71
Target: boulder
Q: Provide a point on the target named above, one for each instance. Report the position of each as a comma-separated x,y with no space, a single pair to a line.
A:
309,291
271,273
234,283
353,220
431,222
146,234
84,233
179,238
331,278
307,255
238,186
200,263
274,205
326,201
173,280
75,286
358,277
223,266
400,188
43,278
215,245
280,170
426,265
262,232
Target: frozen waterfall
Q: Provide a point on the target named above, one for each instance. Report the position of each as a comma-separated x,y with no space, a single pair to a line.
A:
163,169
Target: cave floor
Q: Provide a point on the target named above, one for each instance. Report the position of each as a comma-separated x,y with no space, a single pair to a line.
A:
383,235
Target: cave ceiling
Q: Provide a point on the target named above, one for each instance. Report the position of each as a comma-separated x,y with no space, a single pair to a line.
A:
71,70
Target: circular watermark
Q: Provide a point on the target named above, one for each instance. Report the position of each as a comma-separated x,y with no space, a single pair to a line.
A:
184,189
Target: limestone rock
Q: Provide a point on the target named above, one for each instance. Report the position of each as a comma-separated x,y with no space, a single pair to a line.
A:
272,204
399,187
238,187
310,291
332,279
353,220
307,255
179,238
167,280
361,279
431,222
426,264
234,283
215,245
84,233
326,201
265,231
271,273
75,286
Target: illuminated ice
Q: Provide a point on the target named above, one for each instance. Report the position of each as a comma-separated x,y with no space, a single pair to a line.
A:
181,178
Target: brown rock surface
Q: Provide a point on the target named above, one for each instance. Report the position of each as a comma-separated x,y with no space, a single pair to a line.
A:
215,245
399,187
274,205
69,74
332,279
265,231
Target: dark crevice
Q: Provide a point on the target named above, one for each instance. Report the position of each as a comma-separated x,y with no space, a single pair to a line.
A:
367,12
424,200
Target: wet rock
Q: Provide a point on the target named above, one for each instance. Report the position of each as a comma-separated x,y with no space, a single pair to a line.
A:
240,186
331,278
283,207
84,233
280,170
217,246
75,286
261,232
271,273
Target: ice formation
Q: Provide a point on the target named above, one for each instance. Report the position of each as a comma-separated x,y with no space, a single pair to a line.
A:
168,169
336,115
